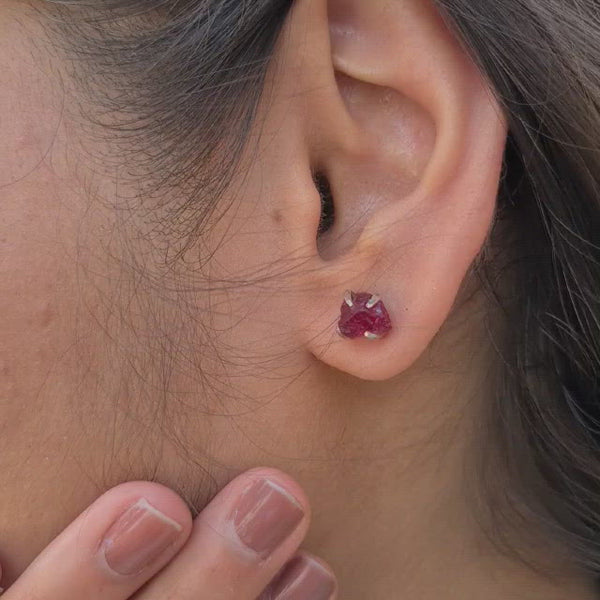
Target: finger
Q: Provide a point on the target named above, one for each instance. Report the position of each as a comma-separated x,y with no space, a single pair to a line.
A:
305,577
239,542
112,549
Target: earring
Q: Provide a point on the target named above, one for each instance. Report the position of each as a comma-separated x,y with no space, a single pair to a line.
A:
363,315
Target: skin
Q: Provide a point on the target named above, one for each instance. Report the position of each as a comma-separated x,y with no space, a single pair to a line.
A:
378,436
204,557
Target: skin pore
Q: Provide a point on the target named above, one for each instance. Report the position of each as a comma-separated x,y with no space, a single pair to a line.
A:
119,365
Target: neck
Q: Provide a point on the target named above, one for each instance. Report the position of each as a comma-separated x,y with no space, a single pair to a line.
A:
395,507
398,521
386,467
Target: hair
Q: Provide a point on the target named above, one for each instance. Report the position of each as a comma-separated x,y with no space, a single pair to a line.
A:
187,78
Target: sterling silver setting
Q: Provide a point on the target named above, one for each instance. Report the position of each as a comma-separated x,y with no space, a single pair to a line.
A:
373,301
372,336
348,298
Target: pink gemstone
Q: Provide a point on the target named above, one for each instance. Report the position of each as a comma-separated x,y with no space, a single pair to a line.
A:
363,320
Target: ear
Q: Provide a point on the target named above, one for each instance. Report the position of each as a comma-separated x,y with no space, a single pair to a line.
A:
404,129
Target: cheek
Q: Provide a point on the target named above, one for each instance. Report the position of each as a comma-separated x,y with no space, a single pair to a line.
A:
39,353
42,357
46,346
34,288
31,102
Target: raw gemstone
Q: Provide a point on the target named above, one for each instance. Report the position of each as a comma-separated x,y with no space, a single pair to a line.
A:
360,319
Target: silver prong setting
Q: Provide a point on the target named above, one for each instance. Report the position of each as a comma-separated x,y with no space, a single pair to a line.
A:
348,298
372,336
373,300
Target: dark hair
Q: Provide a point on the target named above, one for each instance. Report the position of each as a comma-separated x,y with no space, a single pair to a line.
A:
543,59
186,78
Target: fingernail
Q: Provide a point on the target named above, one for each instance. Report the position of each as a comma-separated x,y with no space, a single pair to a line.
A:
302,579
138,538
265,516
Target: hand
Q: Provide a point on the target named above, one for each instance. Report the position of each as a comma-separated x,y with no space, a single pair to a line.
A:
138,541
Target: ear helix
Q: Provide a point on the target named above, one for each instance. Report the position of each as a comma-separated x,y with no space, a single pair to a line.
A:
363,315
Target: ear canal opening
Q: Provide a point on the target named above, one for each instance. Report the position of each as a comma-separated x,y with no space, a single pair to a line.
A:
327,218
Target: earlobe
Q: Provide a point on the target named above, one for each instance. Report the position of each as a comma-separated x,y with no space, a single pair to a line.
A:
414,193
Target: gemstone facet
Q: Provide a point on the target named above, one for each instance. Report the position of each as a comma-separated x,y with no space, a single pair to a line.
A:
363,315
